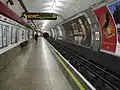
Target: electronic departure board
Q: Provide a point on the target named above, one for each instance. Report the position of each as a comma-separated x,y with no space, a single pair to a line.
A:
41,16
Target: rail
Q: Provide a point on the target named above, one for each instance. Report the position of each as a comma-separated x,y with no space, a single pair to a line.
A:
99,77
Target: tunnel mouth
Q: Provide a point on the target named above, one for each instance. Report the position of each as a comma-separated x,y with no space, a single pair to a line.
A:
45,35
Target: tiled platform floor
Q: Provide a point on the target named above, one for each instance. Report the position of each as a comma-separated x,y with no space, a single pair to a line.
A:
34,69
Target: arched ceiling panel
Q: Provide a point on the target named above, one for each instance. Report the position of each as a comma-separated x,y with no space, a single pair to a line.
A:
64,8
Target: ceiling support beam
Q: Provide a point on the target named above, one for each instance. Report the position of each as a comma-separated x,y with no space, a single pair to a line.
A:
26,11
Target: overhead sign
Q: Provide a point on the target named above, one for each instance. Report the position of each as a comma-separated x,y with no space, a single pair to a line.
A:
41,16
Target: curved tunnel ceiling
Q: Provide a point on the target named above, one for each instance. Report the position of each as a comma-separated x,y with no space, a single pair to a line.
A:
63,8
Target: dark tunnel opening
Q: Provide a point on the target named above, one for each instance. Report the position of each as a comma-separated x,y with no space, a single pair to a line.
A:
45,35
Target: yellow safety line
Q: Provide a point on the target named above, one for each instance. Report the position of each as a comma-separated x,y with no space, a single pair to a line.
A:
71,74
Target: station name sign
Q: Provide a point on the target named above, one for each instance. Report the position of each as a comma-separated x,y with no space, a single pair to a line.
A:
41,16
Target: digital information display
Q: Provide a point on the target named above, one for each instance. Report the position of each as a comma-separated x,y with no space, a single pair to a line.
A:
41,16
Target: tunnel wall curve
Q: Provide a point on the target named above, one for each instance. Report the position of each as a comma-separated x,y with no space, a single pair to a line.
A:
96,29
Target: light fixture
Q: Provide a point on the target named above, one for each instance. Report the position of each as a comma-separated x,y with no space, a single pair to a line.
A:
42,27
11,2
23,15
29,22
58,3
54,6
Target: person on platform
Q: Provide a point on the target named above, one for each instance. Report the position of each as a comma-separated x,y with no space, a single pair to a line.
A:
36,37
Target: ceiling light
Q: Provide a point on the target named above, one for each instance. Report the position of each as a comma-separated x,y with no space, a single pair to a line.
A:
54,6
42,27
59,4
45,23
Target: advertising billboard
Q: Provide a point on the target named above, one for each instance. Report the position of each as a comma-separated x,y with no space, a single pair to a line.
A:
8,35
114,9
0,36
84,24
4,35
13,35
108,29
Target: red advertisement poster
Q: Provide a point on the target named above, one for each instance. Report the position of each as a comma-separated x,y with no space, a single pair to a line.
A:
114,8
108,29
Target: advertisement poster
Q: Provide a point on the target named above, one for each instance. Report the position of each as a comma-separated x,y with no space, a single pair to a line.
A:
86,31
23,35
0,36
31,34
108,29
114,8
20,35
17,34
13,35
8,35
4,36
27,34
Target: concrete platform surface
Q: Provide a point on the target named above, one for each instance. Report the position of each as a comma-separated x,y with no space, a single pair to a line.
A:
34,69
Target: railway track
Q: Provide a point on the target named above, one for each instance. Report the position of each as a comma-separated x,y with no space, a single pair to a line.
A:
98,76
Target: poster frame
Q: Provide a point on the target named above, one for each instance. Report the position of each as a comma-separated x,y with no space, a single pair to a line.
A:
101,49
110,6
2,35
17,31
8,35
12,35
